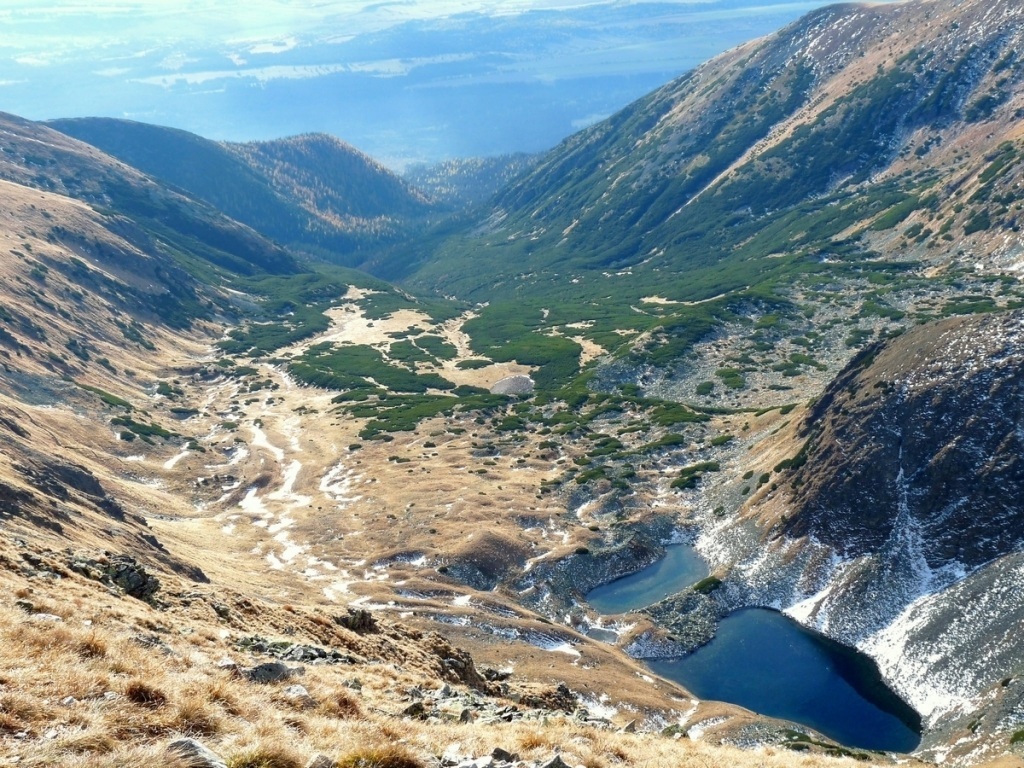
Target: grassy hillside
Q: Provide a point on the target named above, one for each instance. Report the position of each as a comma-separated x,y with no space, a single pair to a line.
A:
312,193
826,160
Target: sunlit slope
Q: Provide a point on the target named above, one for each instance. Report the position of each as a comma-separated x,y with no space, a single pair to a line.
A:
860,143
313,193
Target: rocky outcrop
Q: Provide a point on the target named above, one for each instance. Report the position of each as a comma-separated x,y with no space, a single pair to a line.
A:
567,580
121,572
59,480
923,435
513,385
900,529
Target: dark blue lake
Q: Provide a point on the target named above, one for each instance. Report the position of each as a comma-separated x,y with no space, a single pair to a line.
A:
681,567
768,663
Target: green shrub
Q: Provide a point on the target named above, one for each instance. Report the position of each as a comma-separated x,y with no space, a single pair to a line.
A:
708,585
142,430
979,222
691,475
107,398
731,377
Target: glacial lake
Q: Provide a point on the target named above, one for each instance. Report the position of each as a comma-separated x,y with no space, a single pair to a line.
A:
768,663
681,567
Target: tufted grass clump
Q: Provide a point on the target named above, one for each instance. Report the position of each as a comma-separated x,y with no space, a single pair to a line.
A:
387,756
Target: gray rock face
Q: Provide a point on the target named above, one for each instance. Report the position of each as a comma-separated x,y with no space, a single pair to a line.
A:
925,435
122,572
271,672
194,754
129,576
902,533
513,385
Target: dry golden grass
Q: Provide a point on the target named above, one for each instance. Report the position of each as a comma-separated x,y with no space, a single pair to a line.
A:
386,756
85,693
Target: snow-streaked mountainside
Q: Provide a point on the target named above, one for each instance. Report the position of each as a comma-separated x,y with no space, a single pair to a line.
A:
852,110
902,533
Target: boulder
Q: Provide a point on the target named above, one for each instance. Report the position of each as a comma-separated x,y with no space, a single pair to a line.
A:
125,573
358,621
298,695
271,672
504,756
194,754
122,572
513,385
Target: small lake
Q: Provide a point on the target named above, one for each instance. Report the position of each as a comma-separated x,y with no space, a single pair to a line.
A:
681,567
768,663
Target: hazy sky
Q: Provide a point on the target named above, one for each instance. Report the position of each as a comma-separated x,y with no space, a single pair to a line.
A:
405,79
42,30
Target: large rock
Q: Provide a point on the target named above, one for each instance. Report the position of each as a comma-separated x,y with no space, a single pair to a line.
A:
271,672
122,572
128,575
513,385
194,754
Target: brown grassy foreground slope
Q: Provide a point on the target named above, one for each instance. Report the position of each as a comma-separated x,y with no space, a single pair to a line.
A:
94,678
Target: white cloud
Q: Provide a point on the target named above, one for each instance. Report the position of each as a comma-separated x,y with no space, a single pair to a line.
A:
260,74
380,68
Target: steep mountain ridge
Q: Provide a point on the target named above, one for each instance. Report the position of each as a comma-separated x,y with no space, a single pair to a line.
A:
898,530
311,193
848,94
43,158
876,148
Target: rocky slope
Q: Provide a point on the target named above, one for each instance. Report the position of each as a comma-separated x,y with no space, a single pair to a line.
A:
165,224
900,532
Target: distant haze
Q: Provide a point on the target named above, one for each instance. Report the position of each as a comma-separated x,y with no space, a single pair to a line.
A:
403,81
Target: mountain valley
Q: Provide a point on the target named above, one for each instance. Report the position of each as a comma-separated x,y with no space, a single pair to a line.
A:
271,402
